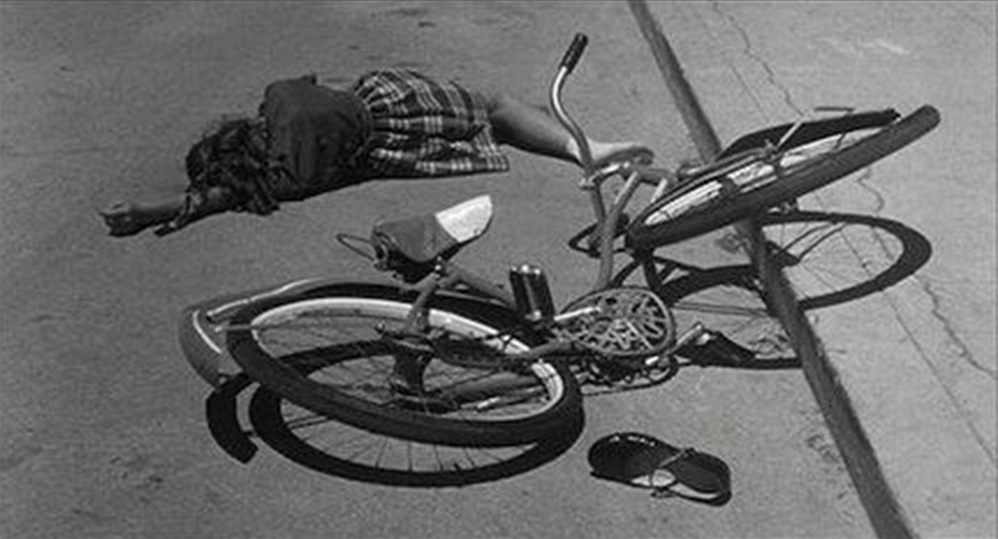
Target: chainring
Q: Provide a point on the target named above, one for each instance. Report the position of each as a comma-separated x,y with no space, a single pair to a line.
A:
625,323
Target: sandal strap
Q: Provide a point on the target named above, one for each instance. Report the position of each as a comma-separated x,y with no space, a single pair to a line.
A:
664,491
681,454
672,459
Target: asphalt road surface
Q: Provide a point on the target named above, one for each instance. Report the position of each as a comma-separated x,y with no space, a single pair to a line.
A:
103,431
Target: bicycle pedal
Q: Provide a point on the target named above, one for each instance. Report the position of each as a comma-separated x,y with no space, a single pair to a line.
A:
730,349
714,348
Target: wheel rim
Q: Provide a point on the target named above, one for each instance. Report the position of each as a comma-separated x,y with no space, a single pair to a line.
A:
751,177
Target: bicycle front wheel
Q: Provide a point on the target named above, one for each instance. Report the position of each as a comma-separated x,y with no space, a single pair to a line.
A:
331,351
715,201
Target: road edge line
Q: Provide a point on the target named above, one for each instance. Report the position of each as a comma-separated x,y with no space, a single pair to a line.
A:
878,499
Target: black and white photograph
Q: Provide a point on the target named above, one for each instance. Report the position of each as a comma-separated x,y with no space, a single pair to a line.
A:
498,269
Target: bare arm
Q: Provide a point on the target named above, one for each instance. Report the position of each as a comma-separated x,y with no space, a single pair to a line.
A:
194,207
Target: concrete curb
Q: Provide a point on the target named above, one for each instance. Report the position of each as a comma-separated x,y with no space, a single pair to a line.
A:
883,510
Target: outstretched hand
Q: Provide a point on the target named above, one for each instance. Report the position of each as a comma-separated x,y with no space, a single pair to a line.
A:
124,219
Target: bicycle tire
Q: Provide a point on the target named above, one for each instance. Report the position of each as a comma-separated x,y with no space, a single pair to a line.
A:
811,131
648,230
371,403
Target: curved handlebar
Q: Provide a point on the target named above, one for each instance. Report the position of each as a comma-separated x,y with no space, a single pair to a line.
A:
574,52
568,63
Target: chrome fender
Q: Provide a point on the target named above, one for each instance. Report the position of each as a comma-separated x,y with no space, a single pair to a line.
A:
202,327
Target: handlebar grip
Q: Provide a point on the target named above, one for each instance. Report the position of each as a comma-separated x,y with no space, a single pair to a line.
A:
574,52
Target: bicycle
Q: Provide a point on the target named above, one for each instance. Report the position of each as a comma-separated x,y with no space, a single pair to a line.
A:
447,357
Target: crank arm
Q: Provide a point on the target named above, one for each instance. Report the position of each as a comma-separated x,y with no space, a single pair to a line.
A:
690,336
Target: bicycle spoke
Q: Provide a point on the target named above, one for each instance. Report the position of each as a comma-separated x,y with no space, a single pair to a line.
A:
348,352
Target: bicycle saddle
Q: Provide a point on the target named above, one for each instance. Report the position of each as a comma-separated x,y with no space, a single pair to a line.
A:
423,239
642,461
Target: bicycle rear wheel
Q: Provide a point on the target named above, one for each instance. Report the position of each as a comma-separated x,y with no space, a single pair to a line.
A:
716,201
327,351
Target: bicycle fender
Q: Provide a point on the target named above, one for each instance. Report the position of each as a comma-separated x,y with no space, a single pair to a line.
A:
223,420
202,325
202,328
463,293
202,344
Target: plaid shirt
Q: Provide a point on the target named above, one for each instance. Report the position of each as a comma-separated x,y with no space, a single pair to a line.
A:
422,127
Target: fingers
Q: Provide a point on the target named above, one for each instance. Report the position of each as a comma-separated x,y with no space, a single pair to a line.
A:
120,219
115,209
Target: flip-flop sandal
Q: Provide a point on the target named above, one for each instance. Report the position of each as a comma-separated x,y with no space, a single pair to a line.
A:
637,154
642,461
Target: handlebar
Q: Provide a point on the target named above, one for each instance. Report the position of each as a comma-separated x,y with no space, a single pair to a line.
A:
574,52
635,175
568,63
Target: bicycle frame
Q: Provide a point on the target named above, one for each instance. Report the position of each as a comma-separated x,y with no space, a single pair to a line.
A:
448,276
203,327
203,324
593,179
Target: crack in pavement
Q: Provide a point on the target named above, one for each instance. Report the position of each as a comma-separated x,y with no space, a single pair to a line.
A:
937,374
953,338
963,351
749,51
926,285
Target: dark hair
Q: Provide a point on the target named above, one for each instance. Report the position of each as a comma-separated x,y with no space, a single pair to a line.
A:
233,154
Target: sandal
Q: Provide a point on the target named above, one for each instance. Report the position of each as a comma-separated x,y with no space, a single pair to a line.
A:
642,461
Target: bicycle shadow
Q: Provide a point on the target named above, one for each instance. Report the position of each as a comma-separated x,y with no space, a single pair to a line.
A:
888,251
869,255
603,383
726,298
334,448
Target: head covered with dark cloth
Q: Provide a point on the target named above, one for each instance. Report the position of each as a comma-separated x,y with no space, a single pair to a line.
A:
304,141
